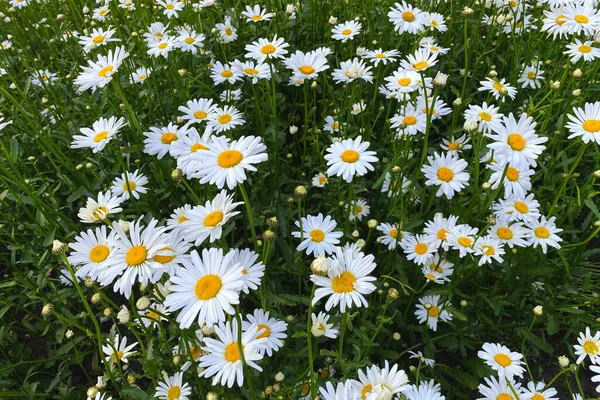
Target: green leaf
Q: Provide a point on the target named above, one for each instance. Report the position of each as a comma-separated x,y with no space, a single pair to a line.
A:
134,393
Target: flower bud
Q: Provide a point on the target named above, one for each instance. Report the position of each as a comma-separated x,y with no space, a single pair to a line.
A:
466,12
47,309
300,191
320,265
355,234
554,85
464,303
332,20
577,73
142,303
269,235
92,391
293,129
470,125
123,315
440,80
177,174
212,396
272,222
182,72
86,10
290,319
576,92
130,379
58,247
372,223
396,336
457,102
313,85
492,74
360,243
393,293
486,186
107,312
124,225
279,377
69,334
537,311
96,298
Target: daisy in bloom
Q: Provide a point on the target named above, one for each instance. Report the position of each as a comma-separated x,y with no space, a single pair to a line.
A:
359,209
268,328
349,157
537,391
99,73
5,45
172,255
532,76
204,222
159,140
227,162
436,21
499,389
578,50
100,13
511,234
134,256
321,327
189,41
420,60
227,31
446,171
161,47
342,391
173,388
134,183
188,150
519,208
381,383
332,125
419,356
486,116
404,81
409,121
252,271
178,218
399,184
205,288
102,132
223,362
407,18
455,146
118,351
438,269
581,18
152,315
461,238
359,107
366,382
127,4
431,311
543,233
391,235
223,72
436,109
256,14
350,70
99,37
171,7
92,251
507,363
585,122
517,177
347,280
346,31
554,22
225,118
418,248
489,249
140,75
306,65
198,110
498,89
319,180
264,48
98,210
318,236
517,141
253,70
380,56
43,77
156,31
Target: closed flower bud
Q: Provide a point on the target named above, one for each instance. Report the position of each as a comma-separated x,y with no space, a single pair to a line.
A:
130,379
279,377
177,174
412,369
492,74
428,306
597,223
355,234
577,73
212,396
290,319
86,10
96,298
491,220
372,223
69,334
313,85
58,247
176,359
396,336
537,311
289,155
360,243
320,265
486,186
92,391
182,72
576,92
596,174
124,225
466,12
396,169
332,20
31,158
142,303
89,281
300,191
123,315
47,309
134,34
107,312
272,222
393,293
180,120
470,125
440,80
503,91
457,102
207,330
293,129
269,235
268,390
276,387
555,85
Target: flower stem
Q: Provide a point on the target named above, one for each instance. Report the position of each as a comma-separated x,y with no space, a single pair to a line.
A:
250,216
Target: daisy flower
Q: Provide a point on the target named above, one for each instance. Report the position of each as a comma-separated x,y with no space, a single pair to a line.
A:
156,31
517,177
173,388
152,315
532,76
342,391
425,391
391,235
596,378
455,146
359,107
134,183
446,171
436,109
585,122
419,61
306,65
418,248
161,47
350,70
348,158
438,229
437,270
321,327
172,7
253,70
99,73
436,21
517,141
207,221
42,77
140,75
229,95
127,4
431,311
498,89
271,329
227,162
198,110
489,249
409,121
102,132
100,13
461,238
205,288
264,48
332,125
188,150
319,180
92,251
486,116
225,118
98,210
554,22
543,233
507,363
178,218
399,184
359,209
519,208
223,72
318,234
159,140
118,351
581,18
538,391
404,81
252,271
380,56
347,280
256,14
99,37
227,31
407,18
189,41
223,359
419,356
499,389
366,382
172,255
511,234
578,50
346,31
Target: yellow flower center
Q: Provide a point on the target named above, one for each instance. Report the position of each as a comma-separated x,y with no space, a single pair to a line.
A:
100,212
174,392
445,174
590,347
136,256
229,158
232,352
366,390
317,235
516,142
224,119
168,137
195,351
227,73
379,55
498,86
591,125
322,180
485,116
98,39
182,219
393,233
349,156
251,71
431,277
409,120
433,312
421,248
531,75
170,7
504,396
208,287
268,49
228,31
512,174
358,209
408,16
343,283
306,69
346,32
200,115
441,234
465,241
153,315
99,253
256,17
198,146
420,65
212,219
561,19
132,185
488,250
521,207
582,19
453,146
541,232
335,126
162,45
436,267
584,48
102,13
101,136
142,77
538,396
404,81
118,355
266,333
105,71
189,40
504,233
502,359
164,259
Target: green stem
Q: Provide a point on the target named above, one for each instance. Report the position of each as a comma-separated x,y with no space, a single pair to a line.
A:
250,216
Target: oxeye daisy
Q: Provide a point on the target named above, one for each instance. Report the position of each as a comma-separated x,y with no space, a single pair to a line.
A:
102,132
252,271
198,110
350,70
204,222
127,4
396,185
543,233
499,89
99,73
430,310
156,31
189,41
499,389
366,382
100,13
462,238
225,118
346,30
486,116
332,125
425,391
511,234
92,251
581,18
43,77
438,269
158,140
418,248
256,14
161,47
359,107
134,184
407,18
347,280
118,351
391,235
532,76
188,151
517,141
349,158
539,391
438,229
226,163
318,235
153,315
409,121
446,171
173,388
380,56
455,146
171,7
98,37
321,327
227,31
343,390
390,381
223,359
519,208
585,122
253,70
517,177
178,218
306,65
223,72
554,22
319,180
264,48
172,255
420,60
403,81
488,249
140,75
205,288
229,95
98,210
358,210
271,329
579,50
436,21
